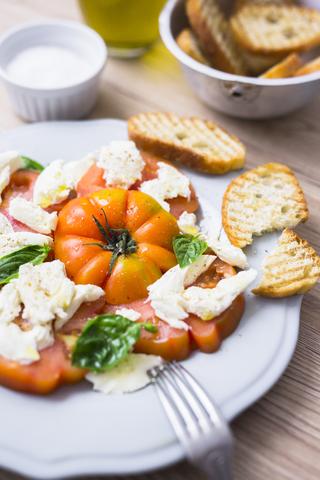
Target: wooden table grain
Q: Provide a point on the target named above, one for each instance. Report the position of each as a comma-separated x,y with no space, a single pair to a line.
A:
278,438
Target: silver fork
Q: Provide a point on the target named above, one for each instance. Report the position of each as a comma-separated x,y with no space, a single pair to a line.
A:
197,421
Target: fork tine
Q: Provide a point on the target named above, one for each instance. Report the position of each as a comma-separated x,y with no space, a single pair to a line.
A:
169,406
212,410
191,397
169,382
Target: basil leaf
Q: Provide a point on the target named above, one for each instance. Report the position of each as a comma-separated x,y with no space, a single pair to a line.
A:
32,164
9,264
188,249
105,340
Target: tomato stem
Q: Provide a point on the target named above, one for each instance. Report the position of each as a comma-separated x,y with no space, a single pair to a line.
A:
118,240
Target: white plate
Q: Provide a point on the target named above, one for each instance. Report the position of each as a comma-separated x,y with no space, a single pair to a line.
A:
76,431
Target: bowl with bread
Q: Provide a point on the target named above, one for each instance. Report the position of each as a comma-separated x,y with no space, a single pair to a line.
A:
252,59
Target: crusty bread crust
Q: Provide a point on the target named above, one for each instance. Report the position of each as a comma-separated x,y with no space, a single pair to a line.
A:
214,36
199,144
293,267
311,67
262,200
287,68
270,29
187,41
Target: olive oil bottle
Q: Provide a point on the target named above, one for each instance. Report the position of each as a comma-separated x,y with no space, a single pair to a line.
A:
129,27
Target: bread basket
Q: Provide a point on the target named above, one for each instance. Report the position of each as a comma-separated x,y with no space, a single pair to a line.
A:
245,97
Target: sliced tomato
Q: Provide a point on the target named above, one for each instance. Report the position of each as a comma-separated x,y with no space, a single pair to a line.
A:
173,343
169,343
54,367
93,181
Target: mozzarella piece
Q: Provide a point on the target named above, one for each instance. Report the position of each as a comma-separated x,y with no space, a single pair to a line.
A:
10,162
23,347
53,185
46,294
122,164
11,242
127,376
165,293
208,303
83,293
228,253
187,223
79,167
169,184
9,304
5,225
32,215
129,313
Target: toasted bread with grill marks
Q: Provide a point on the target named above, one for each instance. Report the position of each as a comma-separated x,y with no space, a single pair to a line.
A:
215,39
199,144
284,69
263,200
187,41
313,66
271,29
292,267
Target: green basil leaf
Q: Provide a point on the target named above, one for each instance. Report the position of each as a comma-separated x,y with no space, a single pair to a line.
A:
9,264
32,164
188,249
105,341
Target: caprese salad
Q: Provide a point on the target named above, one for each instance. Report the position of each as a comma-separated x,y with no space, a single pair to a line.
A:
104,272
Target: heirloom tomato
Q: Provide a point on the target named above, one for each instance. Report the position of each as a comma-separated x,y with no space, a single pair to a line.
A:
93,181
177,344
117,239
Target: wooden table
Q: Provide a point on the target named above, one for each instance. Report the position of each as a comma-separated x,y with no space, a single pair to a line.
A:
279,437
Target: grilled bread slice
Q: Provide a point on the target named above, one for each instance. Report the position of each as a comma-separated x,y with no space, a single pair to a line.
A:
292,267
263,200
270,28
286,68
241,3
313,66
187,41
199,144
267,33
214,36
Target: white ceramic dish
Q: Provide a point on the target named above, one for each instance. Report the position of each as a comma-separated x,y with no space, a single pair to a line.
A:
75,431
71,102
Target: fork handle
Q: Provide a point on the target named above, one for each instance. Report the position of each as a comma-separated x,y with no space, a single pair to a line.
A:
218,466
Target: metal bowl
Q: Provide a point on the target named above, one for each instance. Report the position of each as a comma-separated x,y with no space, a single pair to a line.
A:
244,97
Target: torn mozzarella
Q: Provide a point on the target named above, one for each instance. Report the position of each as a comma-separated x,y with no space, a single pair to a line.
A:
129,313
128,375
165,293
5,225
10,162
53,185
10,242
187,223
169,184
33,215
122,164
208,303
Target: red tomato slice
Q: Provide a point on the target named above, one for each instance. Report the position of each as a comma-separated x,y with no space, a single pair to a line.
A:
54,367
93,181
170,343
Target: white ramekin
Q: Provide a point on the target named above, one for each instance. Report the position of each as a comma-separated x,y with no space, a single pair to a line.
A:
67,103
